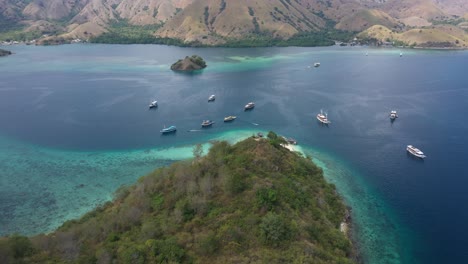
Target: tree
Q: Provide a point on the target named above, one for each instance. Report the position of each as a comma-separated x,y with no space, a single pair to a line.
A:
198,151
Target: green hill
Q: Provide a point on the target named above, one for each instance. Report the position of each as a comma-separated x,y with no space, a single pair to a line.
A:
252,202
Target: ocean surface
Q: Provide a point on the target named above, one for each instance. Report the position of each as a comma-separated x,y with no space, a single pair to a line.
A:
75,125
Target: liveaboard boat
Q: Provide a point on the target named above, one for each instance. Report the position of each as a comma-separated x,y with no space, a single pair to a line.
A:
207,123
167,130
415,151
323,118
229,118
249,106
211,98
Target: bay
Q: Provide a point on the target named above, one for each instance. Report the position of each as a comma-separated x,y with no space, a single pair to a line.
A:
75,125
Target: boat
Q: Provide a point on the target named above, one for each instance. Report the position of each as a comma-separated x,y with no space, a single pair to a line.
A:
249,106
323,118
211,98
207,123
170,129
229,118
393,115
415,151
258,135
401,54
290,140
153,104
317,64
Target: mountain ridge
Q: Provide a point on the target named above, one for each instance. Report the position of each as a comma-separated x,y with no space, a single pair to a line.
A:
218,22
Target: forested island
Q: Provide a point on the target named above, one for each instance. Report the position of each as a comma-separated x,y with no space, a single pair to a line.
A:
189,64
4,52
255,201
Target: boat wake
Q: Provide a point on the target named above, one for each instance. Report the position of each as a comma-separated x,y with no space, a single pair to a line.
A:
194,130
255,124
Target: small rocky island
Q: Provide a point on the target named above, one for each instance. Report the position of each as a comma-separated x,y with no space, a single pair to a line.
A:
189,64
4,52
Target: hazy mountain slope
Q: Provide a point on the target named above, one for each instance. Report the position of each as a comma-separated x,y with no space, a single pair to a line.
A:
214,22
436,36
364,18
53,9
145,12
206,19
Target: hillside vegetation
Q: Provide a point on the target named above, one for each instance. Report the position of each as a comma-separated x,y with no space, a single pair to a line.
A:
441,36
252,202
223,22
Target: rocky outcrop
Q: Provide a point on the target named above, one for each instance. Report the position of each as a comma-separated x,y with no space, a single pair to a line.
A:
189,64
4,52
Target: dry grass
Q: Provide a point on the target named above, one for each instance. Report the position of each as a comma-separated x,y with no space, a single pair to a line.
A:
421,36
363,19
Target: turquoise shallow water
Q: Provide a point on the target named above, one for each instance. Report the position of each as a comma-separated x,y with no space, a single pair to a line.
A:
48,186
74,126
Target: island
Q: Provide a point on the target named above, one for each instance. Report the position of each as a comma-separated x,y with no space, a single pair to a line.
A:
189,64
254,201
4,52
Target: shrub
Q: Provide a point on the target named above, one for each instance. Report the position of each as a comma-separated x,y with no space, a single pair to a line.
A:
274,230
21,246
267,197
166,251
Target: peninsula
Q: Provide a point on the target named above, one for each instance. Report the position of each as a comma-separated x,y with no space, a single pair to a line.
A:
255,201
189,64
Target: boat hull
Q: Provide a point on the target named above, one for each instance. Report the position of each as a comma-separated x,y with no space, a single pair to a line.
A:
168,130
229,119
207,123
322,120
416,153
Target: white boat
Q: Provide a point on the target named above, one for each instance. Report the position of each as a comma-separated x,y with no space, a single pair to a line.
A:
250,105
323,118
207,123
211,98
153,104
401,54
167,130
317,64
393,115
290,140
415,151
229,118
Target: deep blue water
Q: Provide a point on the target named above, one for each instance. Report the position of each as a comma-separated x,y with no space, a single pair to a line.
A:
74,125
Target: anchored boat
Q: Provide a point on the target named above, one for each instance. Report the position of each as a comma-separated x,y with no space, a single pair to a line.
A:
415,151
229,118
207,123
167,130
249,106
